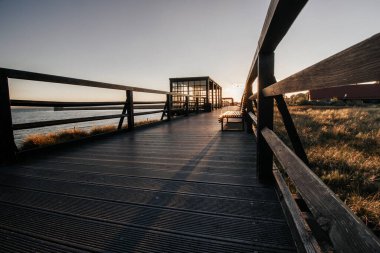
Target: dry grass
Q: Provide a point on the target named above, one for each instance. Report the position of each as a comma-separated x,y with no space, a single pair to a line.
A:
46,139
102,129
343,147
42,140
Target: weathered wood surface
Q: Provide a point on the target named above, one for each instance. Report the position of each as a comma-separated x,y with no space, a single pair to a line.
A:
359,63
237,114
304,239
291,129
280,16
346,231
264,116
230,114
124,112
181,186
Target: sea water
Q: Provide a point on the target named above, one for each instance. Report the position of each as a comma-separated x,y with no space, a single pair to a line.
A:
27,115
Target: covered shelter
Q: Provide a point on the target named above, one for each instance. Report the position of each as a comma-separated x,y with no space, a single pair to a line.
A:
208,92
228,101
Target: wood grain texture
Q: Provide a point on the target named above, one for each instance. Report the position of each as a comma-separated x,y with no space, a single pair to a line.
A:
304,239
346,231
280,16
291,129
356,64
181,186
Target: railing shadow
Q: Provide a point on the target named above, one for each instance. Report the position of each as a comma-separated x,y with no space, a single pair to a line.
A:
140,240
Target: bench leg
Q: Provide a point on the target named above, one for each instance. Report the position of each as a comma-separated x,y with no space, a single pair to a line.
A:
222,123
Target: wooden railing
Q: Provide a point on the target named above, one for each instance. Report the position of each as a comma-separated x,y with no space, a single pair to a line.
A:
359,63
127,107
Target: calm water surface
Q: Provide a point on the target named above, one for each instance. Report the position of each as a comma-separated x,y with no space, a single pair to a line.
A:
35,115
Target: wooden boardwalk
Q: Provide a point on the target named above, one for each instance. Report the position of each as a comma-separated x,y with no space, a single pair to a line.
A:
182,186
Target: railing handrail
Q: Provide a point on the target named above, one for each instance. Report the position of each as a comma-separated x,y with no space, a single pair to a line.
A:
359,63
44,103
34,76
8,149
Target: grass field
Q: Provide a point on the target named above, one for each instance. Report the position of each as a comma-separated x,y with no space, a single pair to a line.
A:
343,147
45,139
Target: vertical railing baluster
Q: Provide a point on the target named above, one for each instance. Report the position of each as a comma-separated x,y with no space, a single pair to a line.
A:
130,113
8,147
197,105
291,129
264,115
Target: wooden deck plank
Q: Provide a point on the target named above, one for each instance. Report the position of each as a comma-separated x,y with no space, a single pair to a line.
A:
183,186
167,185
207,174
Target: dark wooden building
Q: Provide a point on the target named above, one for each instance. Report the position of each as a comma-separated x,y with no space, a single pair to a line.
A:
208,92
348,92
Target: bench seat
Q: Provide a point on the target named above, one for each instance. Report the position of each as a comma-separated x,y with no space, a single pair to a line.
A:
231,115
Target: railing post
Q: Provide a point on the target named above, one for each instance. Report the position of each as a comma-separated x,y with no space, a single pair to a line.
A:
264,115
246,107
197,105
8,147
169,106
130,113
123,112
187,106
246,117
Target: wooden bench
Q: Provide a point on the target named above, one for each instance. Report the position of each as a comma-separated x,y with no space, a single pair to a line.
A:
231,115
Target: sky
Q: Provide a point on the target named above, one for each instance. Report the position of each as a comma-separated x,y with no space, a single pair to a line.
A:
145,42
